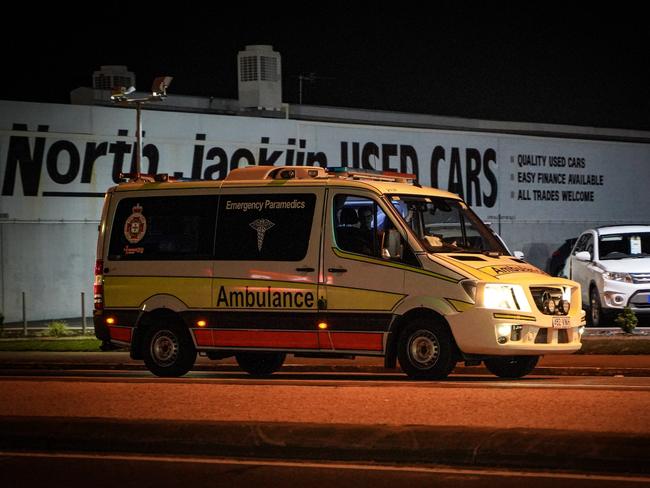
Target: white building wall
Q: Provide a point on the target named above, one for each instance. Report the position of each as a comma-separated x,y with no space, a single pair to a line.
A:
53,263
56,161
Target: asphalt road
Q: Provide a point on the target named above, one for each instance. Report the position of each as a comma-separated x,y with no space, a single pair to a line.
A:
586,404
594,424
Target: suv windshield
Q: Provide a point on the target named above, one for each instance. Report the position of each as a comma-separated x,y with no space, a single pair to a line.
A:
619,246
446,225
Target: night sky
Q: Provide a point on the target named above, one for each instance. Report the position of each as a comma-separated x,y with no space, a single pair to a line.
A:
539,63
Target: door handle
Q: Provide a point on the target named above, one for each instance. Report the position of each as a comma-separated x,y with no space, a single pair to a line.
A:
337,270
305,270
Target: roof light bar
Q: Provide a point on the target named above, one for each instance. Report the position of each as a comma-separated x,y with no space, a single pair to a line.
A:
372,174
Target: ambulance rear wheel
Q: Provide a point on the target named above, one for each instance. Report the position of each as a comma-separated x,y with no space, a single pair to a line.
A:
511,367
260,364
425,351
168,351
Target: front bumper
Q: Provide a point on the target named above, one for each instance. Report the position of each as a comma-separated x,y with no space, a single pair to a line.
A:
618,295
476,331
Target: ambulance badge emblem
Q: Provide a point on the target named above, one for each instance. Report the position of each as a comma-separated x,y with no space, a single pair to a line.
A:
135,226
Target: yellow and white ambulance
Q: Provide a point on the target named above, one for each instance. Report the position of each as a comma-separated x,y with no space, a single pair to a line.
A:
319,263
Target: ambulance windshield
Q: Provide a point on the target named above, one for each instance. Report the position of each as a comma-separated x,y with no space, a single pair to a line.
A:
446,225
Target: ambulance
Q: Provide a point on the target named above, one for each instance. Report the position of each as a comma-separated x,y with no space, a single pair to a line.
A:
315,262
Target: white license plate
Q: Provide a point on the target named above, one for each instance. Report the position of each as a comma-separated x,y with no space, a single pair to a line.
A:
561,322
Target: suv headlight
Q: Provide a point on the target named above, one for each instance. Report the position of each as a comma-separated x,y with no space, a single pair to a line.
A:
506,297
611,275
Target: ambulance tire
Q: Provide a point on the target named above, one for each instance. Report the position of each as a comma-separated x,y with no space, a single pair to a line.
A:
260,364
425,350
512,366
168,350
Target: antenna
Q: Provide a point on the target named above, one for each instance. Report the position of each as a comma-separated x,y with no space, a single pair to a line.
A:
120,96
311,78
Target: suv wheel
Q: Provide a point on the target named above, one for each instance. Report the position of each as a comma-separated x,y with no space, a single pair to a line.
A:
596,314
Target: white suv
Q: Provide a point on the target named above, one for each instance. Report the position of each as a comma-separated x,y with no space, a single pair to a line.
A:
612,265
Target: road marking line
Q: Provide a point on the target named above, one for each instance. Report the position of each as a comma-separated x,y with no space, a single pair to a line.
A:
326,465
342,382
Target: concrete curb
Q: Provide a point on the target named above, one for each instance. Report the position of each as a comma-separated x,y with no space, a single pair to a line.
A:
506,448
323,368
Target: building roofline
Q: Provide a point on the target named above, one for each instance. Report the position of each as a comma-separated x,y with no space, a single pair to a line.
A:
356,116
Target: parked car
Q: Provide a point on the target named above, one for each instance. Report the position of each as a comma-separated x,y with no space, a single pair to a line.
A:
612,265
558,258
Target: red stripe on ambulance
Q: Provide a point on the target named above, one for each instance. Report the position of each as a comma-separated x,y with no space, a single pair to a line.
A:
349,341
122,334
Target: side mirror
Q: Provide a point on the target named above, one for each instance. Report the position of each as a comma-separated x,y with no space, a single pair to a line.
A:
519,254
583,256
393,246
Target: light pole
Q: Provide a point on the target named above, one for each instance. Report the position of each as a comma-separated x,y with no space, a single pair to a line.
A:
158,93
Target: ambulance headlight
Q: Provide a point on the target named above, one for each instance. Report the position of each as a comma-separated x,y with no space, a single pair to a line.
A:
506,297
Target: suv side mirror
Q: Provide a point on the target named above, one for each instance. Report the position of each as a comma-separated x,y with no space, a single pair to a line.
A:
583,256
519,254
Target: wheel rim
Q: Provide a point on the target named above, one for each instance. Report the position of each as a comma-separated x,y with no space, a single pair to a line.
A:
424,349
164,348
595,308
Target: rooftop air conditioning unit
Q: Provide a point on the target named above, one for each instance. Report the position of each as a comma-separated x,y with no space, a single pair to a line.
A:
113,76
259,78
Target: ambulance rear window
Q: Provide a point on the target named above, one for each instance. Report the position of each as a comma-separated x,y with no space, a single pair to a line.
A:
164,228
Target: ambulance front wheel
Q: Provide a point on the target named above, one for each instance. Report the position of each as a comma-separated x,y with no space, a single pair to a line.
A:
260,364
168,350
512,366
425,350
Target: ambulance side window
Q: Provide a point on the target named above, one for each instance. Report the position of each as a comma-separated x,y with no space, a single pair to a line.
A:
264,227
164,228
362,227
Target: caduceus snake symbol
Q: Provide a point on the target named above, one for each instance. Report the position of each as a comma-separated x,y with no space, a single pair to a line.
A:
261,226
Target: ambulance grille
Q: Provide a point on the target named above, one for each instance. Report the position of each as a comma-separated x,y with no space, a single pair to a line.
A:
542,336
540,292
